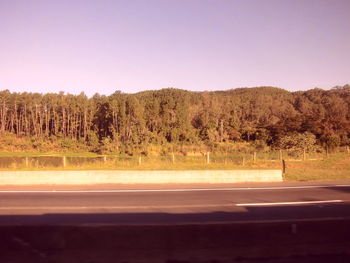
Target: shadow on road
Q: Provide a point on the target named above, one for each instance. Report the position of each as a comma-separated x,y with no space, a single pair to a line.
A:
257,214
345,189
181,238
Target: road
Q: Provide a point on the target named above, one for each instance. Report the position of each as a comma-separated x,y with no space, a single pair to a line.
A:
175,205
276,223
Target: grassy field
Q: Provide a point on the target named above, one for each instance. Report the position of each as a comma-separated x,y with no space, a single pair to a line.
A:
334,167
39,154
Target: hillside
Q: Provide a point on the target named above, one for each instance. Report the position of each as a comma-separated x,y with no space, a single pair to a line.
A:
130,123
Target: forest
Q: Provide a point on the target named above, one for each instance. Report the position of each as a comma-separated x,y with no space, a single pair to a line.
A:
173,119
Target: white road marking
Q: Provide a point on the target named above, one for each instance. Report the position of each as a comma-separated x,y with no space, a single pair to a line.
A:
109,207
173,190
292,203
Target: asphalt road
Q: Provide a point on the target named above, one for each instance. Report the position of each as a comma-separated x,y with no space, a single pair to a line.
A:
175,205
277,223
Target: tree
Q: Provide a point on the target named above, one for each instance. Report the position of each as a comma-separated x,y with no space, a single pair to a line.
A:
264,115
298,141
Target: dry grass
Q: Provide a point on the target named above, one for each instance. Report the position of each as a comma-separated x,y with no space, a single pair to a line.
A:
335,167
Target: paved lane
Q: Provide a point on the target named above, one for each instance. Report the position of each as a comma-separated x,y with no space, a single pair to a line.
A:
203,205
259,224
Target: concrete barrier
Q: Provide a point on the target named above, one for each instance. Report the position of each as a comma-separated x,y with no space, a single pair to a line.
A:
138,177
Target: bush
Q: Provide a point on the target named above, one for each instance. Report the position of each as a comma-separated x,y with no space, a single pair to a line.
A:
260,146
297,142
330,141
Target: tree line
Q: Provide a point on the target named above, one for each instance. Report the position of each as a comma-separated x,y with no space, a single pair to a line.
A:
126,123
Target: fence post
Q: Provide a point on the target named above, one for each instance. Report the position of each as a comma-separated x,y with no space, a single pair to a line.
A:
173,158
27,161
243,161
304,155
208,157
64,161
104,158
140,160
254,157
283,167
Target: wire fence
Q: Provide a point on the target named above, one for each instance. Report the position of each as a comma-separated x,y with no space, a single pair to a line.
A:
132,161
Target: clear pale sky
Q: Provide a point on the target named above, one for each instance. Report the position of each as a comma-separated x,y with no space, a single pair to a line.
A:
107,45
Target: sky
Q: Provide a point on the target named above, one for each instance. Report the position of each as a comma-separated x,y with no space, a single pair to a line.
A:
100,46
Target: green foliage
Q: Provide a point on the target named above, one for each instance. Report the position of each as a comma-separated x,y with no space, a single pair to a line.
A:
71,145
330,141
298,141
260,146
93,141
106,146
127,123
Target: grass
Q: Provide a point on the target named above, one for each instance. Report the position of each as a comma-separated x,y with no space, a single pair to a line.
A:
38,154
335,167
131,163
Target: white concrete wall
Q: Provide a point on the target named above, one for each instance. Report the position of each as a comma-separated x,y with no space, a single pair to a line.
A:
138,177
